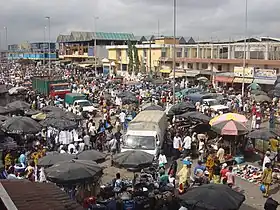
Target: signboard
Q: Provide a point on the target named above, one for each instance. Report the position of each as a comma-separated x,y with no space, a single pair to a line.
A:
248,72
267,74
106,70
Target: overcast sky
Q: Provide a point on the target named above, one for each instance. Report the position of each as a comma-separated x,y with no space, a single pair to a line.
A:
206,19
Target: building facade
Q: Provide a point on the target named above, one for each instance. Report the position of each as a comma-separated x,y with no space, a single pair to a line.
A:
37,51
80,46
220,56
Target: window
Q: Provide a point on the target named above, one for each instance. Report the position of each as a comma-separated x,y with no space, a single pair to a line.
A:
179,53
204,65
163,52
145,53
220,68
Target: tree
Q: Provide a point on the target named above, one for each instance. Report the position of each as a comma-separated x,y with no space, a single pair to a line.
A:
136,60
142,66
130,57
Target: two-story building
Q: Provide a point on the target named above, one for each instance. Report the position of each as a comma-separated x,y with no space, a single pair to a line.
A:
80,46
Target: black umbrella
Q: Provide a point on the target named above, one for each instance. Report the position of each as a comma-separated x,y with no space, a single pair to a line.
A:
212,197
8,143
194,115
60,124
51,109
18,105
54,158
181,108
63,115
3,118
4,110
133,159
129,100
21,125
262,133
125,94
74,171
93,155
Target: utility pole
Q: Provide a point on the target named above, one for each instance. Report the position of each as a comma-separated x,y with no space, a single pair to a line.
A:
49,23
245,47
174,48
95,43
44,49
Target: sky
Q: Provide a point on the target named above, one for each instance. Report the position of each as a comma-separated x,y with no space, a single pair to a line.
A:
200,19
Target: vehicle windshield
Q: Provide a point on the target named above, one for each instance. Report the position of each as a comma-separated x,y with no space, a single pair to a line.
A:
139,142
212,102
60,87
84,103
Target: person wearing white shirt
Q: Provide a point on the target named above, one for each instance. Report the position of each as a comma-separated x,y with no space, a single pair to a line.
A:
122,117
72,149
266,159
177,144
187,145
162,159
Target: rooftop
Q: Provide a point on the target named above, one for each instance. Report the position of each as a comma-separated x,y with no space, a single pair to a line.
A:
26,195
78,36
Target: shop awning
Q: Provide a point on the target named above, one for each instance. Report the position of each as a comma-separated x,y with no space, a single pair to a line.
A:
192,73
166,71
224,79
264,81
177,74
240,80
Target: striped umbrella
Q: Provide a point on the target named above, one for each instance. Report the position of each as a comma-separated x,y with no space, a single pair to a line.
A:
230,128
228,116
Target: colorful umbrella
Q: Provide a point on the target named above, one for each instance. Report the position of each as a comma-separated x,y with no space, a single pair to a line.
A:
228,116
230,128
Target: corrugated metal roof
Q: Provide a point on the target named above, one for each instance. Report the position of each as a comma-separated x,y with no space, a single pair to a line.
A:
77,36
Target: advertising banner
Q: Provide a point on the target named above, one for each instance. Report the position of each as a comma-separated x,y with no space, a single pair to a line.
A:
248,72
90,51
267,74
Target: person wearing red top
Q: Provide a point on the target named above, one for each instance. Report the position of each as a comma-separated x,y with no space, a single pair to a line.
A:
223,172
254,110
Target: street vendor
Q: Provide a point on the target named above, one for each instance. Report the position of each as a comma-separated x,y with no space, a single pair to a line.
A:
210,162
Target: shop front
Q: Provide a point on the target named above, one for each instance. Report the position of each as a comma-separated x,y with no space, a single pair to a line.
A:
265,78
243,75
224,79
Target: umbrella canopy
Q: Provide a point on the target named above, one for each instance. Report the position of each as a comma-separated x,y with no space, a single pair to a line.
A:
8,143
51,109
258,92
261,98
228,116
230,128
263,133
125,94
133,159
60,124
254,86
63,115
202,79
212,197
53,158
18,105
152,107
129,100
194,115
4,110
21,125
3,118
74,171
93,155
181,108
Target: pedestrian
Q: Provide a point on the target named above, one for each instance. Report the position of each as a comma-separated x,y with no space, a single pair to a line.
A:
266,160
230,177
267,179
177,145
